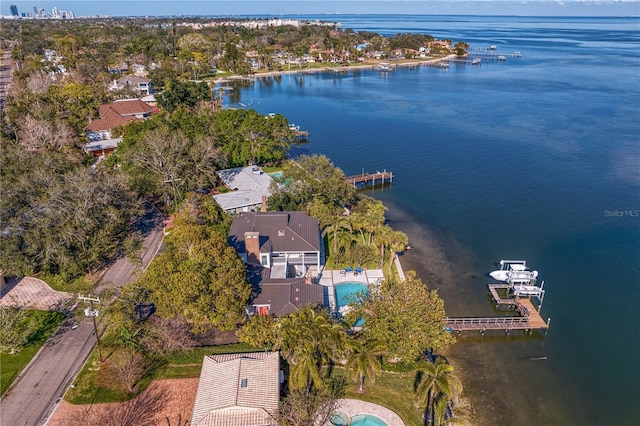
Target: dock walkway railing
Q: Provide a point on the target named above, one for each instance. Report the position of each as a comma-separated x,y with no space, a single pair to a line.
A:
497,323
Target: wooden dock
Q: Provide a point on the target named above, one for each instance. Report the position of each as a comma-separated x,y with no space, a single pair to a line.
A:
529,318
367,180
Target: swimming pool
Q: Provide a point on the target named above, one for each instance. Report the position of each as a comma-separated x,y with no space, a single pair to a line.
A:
366,420
348,292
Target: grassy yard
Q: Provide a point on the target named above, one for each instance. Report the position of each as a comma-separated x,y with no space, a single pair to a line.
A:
185,364
79,285
391,390
12,365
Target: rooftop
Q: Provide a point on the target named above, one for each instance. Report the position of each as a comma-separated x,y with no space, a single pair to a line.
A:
239,389
249,184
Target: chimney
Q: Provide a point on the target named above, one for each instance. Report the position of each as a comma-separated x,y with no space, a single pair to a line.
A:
252,246
264,204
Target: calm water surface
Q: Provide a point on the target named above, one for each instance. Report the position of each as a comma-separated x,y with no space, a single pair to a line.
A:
535,158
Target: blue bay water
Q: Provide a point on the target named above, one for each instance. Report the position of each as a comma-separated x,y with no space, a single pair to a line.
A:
535,158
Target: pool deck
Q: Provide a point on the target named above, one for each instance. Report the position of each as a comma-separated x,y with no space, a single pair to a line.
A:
352,407
331,277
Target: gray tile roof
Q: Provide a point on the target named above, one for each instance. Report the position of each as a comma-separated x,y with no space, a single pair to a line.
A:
279,231
286,296
248,187
240,389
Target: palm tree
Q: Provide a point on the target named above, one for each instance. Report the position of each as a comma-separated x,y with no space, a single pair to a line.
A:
438,385
364,360
398,241
308,339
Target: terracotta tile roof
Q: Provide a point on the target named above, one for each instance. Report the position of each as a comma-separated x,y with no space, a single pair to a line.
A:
118,113
127,107
238,390
109,123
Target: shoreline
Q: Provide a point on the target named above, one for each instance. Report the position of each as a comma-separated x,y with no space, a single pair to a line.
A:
335,69
435,261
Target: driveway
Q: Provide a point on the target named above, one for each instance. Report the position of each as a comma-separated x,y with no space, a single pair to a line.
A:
32,293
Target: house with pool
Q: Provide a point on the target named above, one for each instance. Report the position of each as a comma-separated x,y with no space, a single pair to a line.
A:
283,253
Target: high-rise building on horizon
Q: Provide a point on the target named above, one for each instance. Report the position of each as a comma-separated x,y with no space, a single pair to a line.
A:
14,10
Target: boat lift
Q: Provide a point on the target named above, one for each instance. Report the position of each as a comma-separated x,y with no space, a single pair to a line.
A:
529,291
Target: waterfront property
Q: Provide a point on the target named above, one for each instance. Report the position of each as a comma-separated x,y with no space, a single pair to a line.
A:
283,252
249,188
355,281
356,412
287,243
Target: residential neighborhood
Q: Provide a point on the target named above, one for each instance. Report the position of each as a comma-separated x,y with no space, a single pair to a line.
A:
244,294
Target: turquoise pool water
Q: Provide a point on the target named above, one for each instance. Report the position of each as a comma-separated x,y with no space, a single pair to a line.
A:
339,419
366,420
347,293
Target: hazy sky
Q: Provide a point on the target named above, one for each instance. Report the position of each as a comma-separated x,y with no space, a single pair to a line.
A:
268,7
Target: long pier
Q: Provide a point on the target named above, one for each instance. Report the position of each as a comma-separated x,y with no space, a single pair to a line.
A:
366,180
495,55
529,318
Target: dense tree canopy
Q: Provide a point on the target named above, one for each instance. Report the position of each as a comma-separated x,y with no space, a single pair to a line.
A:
312,178
198,277
406,316
57,215
182,93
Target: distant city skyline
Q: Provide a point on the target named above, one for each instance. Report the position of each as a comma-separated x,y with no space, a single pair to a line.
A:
40,12
117,8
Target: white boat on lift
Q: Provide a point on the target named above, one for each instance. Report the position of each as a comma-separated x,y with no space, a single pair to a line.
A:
513,276
514,272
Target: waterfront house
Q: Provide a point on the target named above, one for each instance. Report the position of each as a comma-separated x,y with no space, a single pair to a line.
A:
249,186
282,297
283,254
238,389
287,243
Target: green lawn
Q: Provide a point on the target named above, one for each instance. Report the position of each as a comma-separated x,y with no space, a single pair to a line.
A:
391,390
57,283
184,364
12,365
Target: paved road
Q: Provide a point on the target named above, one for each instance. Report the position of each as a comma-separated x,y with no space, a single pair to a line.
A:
122,271
35,394
33,397
6,74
